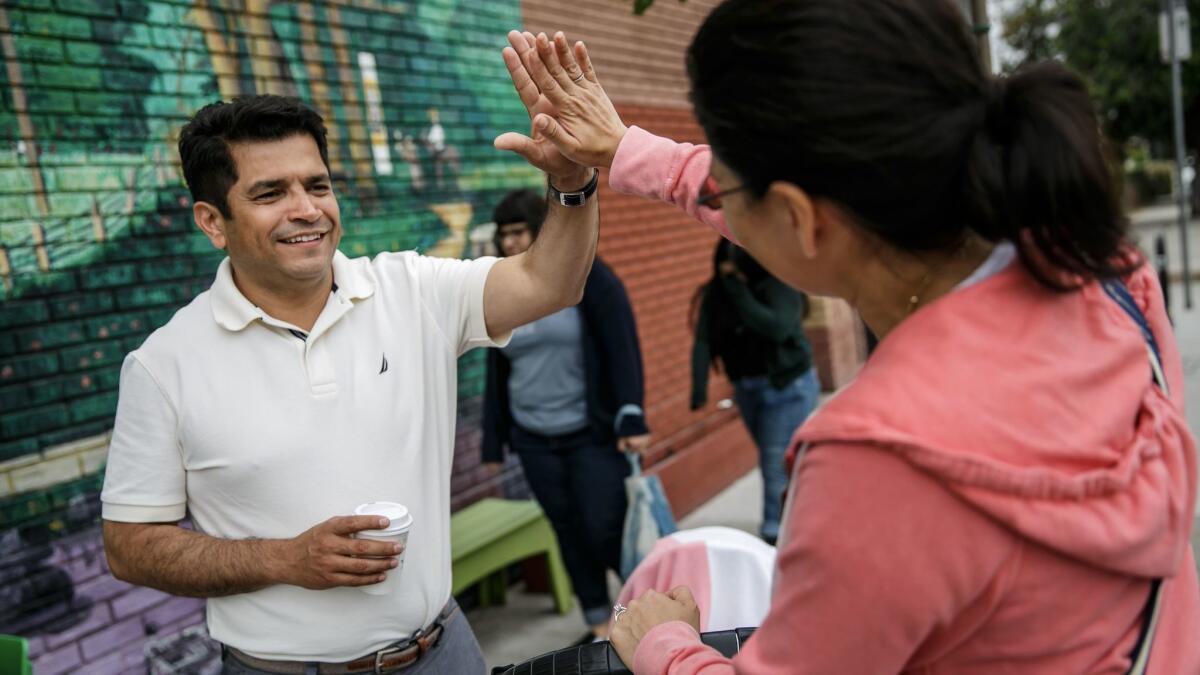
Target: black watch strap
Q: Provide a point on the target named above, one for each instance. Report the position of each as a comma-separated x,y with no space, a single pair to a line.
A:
575,198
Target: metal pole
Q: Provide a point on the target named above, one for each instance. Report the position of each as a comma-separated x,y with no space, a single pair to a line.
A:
1164,274
982,27
1177,104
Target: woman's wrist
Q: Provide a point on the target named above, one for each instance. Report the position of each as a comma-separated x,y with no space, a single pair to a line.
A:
610,151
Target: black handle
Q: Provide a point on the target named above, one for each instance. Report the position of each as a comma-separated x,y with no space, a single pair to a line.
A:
599,658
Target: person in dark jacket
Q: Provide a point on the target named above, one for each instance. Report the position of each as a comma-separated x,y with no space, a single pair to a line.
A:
566,396
748,323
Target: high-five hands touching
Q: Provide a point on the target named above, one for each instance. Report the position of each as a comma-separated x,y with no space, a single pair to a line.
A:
574,121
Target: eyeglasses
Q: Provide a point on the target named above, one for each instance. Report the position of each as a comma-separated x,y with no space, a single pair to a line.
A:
710,197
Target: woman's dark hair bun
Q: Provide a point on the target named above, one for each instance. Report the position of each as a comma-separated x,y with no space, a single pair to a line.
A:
1043,178
883,107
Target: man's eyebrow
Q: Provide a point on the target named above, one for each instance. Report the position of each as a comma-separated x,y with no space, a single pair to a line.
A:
279,183
273,183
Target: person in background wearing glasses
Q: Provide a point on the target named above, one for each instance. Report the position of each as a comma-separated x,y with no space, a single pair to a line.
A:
1009,484
566,396
748,324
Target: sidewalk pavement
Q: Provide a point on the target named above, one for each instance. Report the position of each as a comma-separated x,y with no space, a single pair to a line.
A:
1187,336
528,626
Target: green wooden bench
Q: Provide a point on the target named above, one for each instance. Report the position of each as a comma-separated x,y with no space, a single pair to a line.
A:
14,656
490,535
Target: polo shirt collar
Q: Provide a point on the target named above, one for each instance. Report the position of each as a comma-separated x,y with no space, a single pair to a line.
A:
231,310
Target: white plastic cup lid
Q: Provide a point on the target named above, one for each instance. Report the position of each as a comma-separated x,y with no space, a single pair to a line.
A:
398,514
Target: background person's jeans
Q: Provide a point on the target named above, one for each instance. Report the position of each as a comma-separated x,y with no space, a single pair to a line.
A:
772,416
581,487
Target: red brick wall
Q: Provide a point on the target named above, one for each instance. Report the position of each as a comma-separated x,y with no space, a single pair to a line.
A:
639,58
660,253
663,256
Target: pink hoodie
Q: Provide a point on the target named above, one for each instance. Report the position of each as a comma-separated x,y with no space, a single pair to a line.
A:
992,494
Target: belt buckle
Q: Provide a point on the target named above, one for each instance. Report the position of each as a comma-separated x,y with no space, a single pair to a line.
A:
388,651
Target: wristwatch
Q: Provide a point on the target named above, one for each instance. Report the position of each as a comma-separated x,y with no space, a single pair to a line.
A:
574,198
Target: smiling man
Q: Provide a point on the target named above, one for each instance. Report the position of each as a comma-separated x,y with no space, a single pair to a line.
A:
304,383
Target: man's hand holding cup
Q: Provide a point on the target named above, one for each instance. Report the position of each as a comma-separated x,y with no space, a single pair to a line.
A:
359,550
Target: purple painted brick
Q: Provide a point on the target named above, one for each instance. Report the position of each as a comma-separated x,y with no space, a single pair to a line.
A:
84,567
186,622
59,661
136,601
98,618
102,588
88,544
112,638
37,646
129,661
58,555
174,610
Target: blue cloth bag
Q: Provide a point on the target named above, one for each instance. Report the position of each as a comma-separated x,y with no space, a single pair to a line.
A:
648,517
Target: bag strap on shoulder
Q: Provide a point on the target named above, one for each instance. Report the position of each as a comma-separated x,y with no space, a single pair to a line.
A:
1116,290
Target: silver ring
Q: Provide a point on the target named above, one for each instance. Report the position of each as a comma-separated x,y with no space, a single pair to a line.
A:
577,79
618,610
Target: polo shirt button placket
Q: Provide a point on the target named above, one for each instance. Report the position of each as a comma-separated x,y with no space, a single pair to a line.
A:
319,364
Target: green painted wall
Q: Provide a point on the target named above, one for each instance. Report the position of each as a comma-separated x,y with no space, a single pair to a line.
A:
106,250
97,247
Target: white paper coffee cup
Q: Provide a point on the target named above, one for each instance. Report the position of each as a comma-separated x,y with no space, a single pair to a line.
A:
400,522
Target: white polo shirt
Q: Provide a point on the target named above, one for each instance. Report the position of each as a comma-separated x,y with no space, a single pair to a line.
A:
229,415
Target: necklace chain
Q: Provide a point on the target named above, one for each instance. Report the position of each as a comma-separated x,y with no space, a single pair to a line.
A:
915,299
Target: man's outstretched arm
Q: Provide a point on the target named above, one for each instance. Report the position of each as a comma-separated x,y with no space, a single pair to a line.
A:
551,274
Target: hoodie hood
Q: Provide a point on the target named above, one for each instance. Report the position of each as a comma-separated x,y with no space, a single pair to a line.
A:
1037,408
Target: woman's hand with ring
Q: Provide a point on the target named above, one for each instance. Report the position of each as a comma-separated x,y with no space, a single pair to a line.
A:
648,611
589,128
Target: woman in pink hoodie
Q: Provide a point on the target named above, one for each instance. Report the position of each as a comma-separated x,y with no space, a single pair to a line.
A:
1004,485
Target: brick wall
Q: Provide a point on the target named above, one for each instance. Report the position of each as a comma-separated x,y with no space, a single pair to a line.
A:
639,59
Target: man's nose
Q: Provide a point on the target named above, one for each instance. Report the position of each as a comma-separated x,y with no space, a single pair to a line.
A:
305,208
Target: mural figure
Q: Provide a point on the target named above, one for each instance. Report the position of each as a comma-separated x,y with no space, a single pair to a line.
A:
407,149
445,157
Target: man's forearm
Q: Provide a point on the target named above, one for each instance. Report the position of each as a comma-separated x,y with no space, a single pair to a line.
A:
184,562
561,258
552,273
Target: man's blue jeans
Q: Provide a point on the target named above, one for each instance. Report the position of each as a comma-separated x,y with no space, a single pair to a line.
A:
772,416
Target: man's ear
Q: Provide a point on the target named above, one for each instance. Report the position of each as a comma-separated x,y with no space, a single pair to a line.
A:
210,221
802,215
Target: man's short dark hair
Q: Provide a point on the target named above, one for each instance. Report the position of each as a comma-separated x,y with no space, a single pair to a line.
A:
520,206
208,165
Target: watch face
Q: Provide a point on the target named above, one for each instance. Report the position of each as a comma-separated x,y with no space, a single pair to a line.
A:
576,198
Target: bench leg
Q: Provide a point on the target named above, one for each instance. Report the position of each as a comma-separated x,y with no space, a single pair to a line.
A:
560,583
493,589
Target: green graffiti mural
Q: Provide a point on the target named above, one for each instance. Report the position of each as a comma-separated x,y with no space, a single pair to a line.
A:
97,247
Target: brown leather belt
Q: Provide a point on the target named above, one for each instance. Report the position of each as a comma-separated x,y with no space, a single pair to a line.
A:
386,660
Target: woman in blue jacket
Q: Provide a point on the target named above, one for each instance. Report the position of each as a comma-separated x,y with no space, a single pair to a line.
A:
566,396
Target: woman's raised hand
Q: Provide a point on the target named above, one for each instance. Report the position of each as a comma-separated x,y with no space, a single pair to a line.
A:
559,87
